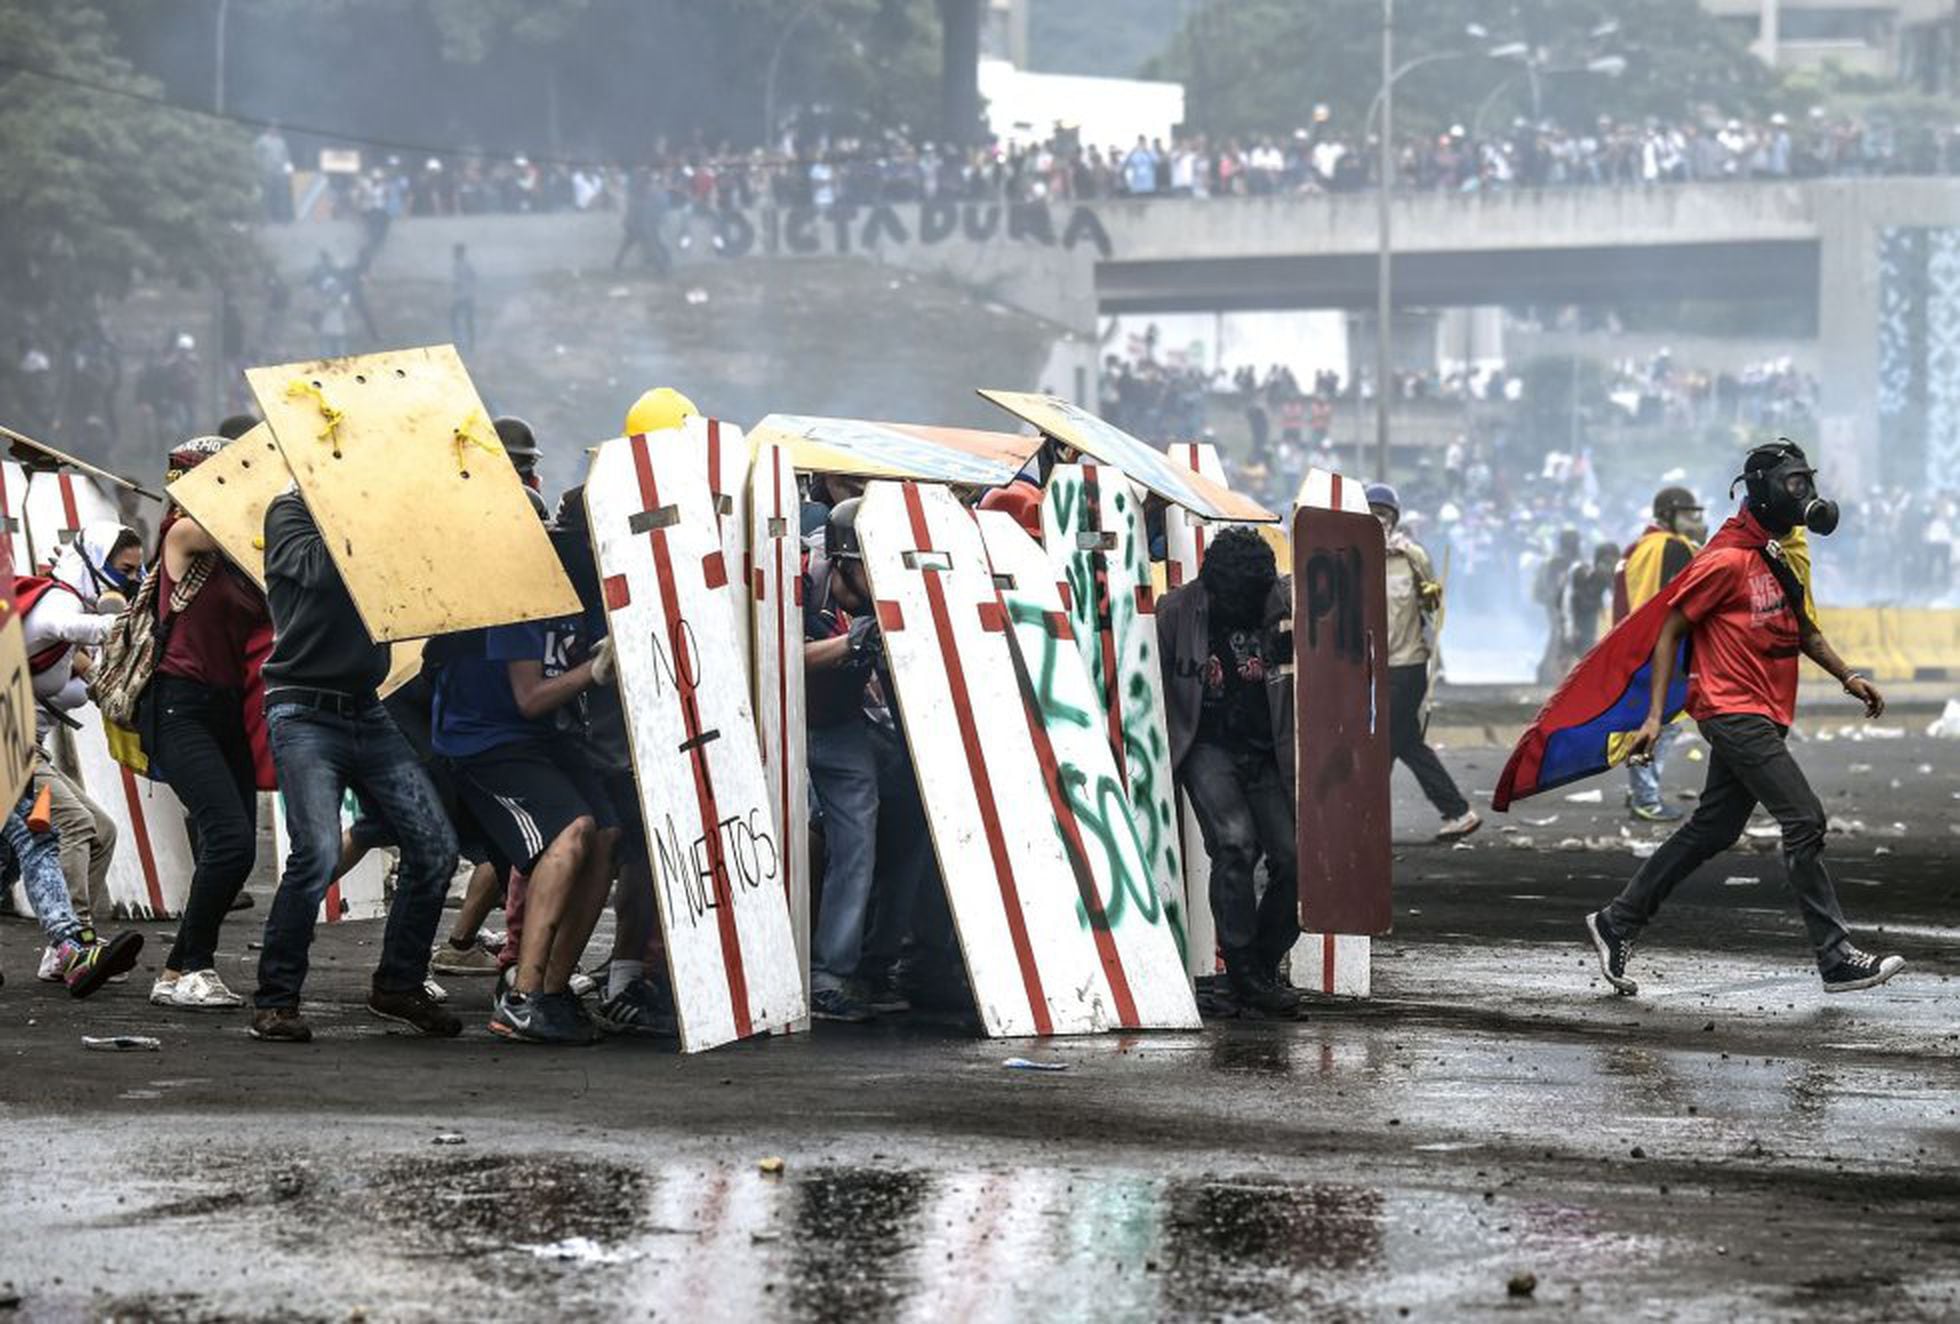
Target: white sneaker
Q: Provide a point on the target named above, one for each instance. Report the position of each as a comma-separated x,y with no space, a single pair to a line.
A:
164,991
1455,829
434,992
201,990
50,969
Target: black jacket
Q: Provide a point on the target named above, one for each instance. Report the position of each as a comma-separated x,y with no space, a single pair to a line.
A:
318,641
1183,644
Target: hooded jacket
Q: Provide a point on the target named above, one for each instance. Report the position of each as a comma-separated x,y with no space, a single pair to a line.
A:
1183,645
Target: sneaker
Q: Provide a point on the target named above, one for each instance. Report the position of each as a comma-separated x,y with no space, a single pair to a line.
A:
583,985
834,1004
573,1007
433,991
280,1025
883,995
1656,813
1259,995
1854,970
640,1008
1455,829
415,1009
196,990
535,1019
87,962
1615,950
49,971
476,959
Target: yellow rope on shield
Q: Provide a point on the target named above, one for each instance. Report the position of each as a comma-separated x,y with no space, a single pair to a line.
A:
300,389
466,436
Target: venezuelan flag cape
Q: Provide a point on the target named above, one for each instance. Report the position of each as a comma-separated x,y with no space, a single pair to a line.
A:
1585,726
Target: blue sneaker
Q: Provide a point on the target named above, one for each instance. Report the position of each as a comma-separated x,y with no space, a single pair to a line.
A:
537,1018
834,1004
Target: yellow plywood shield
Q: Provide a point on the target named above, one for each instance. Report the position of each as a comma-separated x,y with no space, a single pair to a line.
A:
967,456
24,450
425,518
1143,463
228,493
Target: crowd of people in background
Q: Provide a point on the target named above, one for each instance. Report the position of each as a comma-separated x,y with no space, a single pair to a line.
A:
827,172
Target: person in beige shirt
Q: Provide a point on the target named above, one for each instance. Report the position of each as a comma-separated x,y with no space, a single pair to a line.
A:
1414,595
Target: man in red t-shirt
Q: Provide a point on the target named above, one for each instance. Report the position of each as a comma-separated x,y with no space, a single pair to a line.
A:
1741,607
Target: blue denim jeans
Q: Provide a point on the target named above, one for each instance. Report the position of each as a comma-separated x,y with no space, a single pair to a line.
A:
319,755
38,857
1644,779
874,828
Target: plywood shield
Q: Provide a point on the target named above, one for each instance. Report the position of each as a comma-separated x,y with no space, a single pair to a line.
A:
898,450
1032,963
1092,519
1340,650
776,597
1089,806
1109,444
16,701
423,514
38,455
228,493
13,517
684,688
727,453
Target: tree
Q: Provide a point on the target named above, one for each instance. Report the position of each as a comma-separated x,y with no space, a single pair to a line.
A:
103,186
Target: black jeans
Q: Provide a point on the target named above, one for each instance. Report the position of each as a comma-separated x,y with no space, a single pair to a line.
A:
206,758
1406,688
1243,812
1748,764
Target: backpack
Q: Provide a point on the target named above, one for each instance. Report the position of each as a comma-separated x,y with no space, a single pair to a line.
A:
128,657
28,591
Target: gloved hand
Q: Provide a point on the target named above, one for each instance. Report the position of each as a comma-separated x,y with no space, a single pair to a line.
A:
1431,594
602,662
865,641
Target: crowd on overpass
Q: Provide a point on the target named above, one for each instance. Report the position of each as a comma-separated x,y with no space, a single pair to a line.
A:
1325,157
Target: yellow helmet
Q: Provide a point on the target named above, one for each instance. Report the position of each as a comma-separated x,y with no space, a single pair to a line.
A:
659,409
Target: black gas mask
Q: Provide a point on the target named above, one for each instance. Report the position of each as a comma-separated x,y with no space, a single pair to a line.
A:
1782,490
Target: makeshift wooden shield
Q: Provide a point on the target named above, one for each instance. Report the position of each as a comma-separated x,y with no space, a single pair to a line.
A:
16,703
1109,444
776,595
898,450
361,892
728,463
150,872
710,821
1030,958
1185,537
228,493
1089,806
36,455
1340,649
421,510
1092,518
13,517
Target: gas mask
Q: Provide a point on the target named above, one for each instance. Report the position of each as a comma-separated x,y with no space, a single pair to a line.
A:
1782,490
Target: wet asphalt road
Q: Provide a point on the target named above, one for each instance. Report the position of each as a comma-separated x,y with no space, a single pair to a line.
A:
1729,1144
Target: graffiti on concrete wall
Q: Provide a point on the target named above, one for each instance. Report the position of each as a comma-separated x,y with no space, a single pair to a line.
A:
842,230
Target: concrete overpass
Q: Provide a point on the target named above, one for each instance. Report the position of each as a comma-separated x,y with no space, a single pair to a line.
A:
1820,242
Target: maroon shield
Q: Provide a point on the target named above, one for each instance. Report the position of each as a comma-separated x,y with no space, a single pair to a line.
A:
1340,709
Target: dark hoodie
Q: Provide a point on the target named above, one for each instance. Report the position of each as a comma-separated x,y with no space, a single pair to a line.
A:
318,640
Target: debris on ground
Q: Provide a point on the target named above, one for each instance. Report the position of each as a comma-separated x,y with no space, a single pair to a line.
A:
772,1166
1591,797
448,1138
1522,1284
122,1043
1947,725
581,1250
1028,1064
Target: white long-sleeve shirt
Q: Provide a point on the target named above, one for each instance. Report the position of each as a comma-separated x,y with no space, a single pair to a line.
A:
60,617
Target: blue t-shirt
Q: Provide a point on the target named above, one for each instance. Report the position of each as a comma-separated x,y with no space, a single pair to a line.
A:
475,710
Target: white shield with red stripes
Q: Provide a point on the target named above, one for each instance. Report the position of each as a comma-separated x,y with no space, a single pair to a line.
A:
684,686
1092,522
361,892
1089,807
13,515
1032,963
727,453
776,597
1185,537
1336,963
150,872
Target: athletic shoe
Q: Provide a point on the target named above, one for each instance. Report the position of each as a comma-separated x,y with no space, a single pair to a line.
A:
1854,970
1455,829
243,901
1657,813
834,1004
582,985
476,959
1615,950
1259,995
197,990
883,995
433,991
639,1008
280,1025
87,963
50,968
535,1019
574,1007
415,1009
